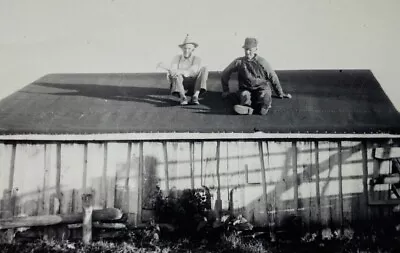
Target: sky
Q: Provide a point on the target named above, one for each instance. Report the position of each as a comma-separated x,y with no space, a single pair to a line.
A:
57,36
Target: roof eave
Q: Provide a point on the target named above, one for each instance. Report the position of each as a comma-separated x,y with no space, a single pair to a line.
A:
190,136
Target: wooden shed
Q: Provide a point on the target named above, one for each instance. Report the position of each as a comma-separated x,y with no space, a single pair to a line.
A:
118,136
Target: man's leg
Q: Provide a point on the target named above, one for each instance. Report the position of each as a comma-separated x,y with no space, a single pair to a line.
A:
263,99
245,97
177,87
200,84
245,103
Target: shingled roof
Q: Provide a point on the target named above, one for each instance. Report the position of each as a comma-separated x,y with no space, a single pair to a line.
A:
324,101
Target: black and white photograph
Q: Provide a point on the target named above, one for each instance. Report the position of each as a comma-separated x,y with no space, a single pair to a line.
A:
199,126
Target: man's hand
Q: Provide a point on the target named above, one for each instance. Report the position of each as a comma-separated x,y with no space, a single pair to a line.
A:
173,73
225,94
184,73
285,95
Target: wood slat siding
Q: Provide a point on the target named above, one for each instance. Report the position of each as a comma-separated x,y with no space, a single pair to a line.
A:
249,163
376,167
235,176
153,175
191,154
117,174
133,180
264,200
140,183
179,158
94,173
364,197
209,169
354,200
71,177
308,209
279,175
329,184
6,178
50,178
28,180
197,164
248,192
272,183
223,170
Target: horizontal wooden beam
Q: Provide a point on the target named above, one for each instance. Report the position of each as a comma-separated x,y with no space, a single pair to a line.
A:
387,153
387,202
108,214
100,225
157,136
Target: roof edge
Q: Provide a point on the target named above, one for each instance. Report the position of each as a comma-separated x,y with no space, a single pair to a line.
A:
189,136
213,71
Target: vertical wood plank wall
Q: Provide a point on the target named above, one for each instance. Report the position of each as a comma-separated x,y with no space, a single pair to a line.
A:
269,182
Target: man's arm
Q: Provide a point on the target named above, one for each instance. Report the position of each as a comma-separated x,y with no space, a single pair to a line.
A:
173,69
226,75
272,76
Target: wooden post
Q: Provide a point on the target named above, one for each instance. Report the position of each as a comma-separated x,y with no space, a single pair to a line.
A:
104,184
57,207
191,164
166,167
140,184
85,166
87,203
317,190
270,221
218,201
341,213
11,200
295,178
365,198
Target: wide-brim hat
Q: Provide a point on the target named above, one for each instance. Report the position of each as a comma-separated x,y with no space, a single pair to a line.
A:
188,40
250,42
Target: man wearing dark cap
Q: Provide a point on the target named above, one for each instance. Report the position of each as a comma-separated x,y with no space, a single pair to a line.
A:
255,78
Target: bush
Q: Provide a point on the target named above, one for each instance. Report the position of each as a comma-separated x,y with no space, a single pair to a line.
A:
233,243
188,211
66,247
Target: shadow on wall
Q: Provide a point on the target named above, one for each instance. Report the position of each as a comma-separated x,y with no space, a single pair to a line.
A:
316,209
313,207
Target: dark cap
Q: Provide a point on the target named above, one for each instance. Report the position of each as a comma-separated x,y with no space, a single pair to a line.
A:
250,42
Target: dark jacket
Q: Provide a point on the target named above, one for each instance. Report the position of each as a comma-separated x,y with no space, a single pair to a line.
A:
252,74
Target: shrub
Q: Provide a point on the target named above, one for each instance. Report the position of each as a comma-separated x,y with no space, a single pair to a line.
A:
233,243
187,210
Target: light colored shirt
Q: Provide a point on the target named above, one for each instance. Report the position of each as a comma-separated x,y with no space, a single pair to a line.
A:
189,66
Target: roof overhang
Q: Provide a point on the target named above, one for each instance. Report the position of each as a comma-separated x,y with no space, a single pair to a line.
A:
193,137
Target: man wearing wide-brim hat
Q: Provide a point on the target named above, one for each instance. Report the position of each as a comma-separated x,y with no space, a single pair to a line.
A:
186,74
256,80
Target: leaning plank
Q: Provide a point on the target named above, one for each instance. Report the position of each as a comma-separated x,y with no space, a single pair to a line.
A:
107,214
100,225
108,235
103,235
163,226
31,221
30,234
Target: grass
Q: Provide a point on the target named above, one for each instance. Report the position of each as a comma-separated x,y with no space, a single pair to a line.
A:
232,243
